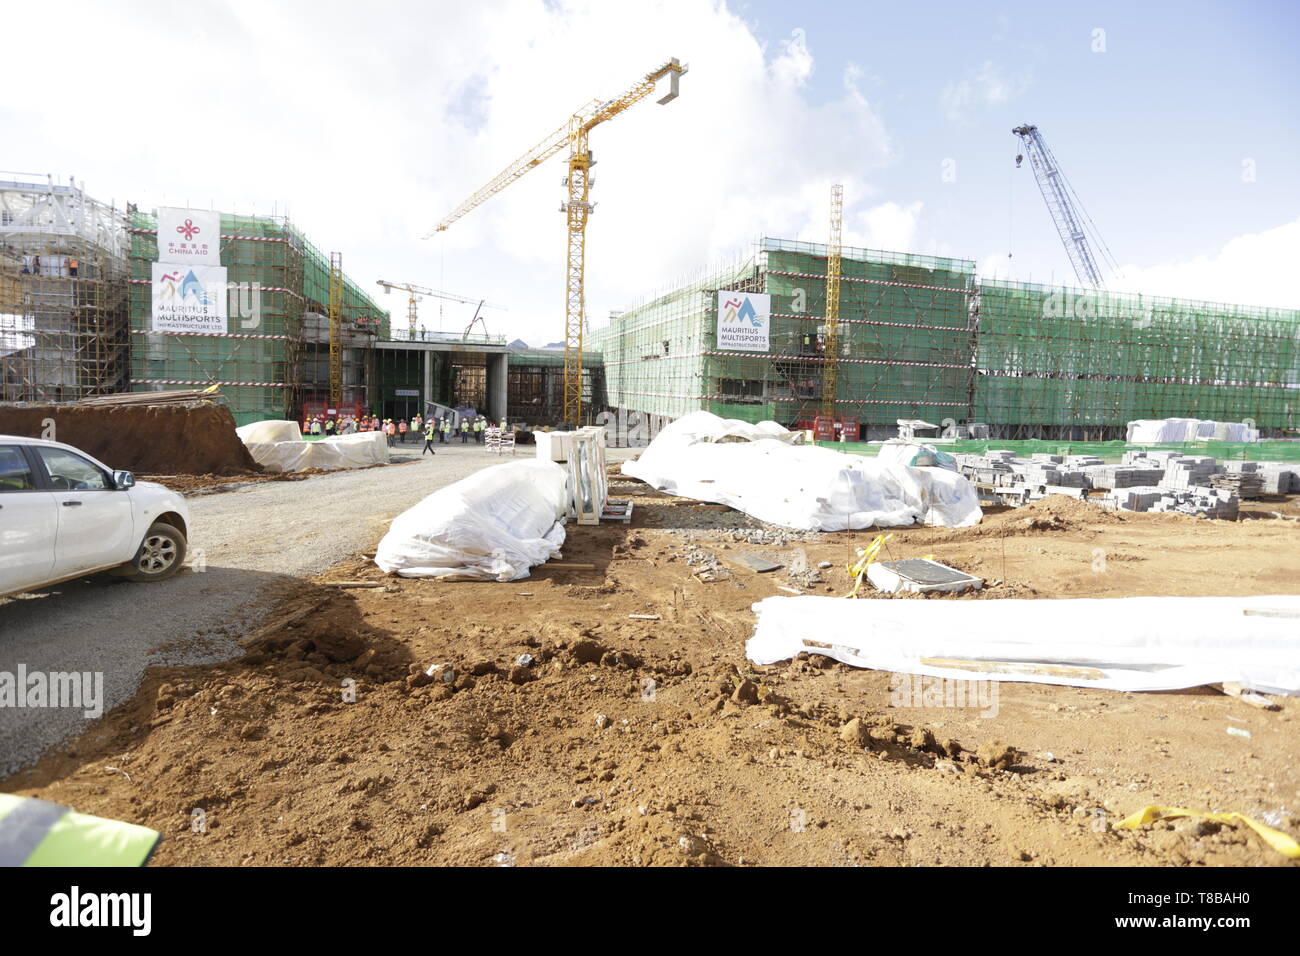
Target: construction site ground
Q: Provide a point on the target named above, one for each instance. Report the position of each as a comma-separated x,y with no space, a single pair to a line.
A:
638,734
252,539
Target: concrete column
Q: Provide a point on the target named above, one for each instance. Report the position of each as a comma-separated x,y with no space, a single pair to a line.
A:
428,380
497,385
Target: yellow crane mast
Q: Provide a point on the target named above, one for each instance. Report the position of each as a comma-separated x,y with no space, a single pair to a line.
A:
577,208
831,369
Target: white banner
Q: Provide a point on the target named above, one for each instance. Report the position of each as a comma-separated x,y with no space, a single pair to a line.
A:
189,298
744,321
191,236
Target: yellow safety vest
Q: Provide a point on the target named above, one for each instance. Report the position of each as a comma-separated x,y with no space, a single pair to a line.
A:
40,833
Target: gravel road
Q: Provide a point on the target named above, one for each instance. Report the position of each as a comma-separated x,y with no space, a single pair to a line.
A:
245,540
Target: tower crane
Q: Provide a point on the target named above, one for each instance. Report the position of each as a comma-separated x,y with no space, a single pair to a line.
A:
1072,221
417,292
830,370
577,208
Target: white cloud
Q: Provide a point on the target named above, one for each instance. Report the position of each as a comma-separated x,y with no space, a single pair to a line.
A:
889,226
1253,269
369,122
987,86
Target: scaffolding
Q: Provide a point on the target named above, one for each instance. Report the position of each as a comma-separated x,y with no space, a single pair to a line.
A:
274,358
63,320
1060,363
903,340
920,337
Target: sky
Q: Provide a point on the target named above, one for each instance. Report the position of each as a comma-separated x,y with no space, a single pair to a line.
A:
367,123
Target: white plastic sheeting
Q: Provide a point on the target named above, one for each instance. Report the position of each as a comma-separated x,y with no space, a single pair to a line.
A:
1140,643
758,470
1189,429
269,432
915,454
279,446
492,526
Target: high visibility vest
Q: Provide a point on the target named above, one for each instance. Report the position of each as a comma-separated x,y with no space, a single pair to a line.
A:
39,833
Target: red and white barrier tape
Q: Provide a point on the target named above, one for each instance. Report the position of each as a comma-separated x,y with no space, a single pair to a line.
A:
183,381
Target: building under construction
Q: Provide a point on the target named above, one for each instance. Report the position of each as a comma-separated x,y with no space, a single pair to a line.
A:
63,308
273,358
536,385
921,337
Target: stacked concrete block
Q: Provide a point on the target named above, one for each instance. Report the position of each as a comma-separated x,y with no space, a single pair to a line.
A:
1123,476
1204,502
1036,473
1190,471
1157,457
1083,461
1278,479
1134,499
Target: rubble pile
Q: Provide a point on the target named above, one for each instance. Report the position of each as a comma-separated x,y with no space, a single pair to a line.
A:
1144,480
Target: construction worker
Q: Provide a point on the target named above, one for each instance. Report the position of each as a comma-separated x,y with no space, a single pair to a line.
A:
401,430
464,431
478,430
329,426
417,423
444,429
429,432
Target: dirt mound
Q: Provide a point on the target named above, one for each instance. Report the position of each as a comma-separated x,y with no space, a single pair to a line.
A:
194,439
1056,513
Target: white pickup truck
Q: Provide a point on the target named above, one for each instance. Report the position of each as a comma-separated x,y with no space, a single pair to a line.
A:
64,515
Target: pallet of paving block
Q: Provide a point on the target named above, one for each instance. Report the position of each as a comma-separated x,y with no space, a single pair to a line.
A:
617,509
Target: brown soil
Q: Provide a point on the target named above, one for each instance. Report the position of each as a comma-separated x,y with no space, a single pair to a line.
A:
210,484
196,439
648,742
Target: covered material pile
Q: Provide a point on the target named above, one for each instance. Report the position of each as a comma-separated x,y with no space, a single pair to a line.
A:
171,439
759,470
1136,643
279,446
1188,429
492,526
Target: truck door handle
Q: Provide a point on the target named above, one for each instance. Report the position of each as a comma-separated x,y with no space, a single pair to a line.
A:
72,504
